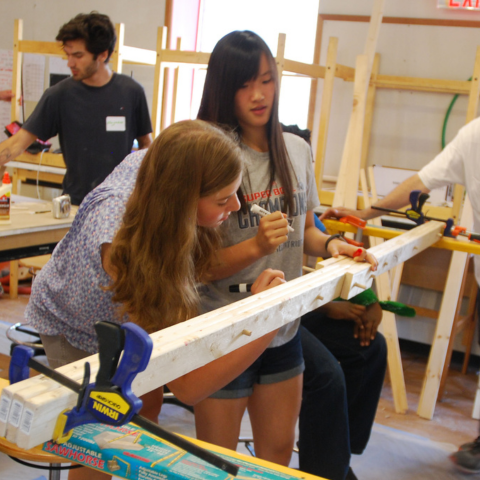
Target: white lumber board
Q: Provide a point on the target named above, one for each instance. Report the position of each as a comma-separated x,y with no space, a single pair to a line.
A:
347,183
324,122
389,254
443,331
199,344
388,326
352,150
190,345
35,385
38,385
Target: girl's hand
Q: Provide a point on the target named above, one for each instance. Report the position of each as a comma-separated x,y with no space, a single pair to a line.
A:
268,279
272,232
339,247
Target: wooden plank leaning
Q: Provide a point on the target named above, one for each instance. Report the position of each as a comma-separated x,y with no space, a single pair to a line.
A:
324,120
348,177
388,327
192,344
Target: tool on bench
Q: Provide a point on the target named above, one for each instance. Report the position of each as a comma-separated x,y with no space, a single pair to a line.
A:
417,200
110,399
455,231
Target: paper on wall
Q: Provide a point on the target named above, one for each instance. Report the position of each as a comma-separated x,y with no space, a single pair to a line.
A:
6,68
58,65
33,76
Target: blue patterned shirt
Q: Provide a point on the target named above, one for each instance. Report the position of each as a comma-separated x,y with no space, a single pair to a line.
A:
67,295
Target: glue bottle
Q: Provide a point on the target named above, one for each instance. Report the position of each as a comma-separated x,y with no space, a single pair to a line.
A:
5,197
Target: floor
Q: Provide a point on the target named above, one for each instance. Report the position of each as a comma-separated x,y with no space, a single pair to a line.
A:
452,422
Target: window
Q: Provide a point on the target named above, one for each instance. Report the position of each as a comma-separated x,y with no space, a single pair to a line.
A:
267,18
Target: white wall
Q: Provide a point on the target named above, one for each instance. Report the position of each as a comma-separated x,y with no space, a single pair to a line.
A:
407,126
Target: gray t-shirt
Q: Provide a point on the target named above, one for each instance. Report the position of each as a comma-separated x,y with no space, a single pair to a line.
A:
241,226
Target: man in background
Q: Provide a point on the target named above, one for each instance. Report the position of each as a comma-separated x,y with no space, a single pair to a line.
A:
96,113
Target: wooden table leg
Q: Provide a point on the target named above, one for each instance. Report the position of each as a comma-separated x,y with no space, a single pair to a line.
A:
443,331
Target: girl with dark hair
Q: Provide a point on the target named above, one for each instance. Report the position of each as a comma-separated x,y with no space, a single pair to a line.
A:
241,92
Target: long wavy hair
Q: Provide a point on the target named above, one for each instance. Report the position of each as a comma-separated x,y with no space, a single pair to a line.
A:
159,252
234,61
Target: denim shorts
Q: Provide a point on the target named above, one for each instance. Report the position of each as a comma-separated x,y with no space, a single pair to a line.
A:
274,365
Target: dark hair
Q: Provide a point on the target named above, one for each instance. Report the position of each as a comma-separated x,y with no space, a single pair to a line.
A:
94,28
304,133
234,61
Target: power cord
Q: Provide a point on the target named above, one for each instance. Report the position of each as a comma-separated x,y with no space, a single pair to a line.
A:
38,171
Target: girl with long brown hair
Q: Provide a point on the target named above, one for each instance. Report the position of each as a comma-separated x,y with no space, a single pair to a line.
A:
139,244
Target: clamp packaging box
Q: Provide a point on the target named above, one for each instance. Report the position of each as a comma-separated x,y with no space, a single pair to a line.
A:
133,453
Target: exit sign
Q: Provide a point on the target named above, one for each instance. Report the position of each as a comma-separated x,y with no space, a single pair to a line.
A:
459,4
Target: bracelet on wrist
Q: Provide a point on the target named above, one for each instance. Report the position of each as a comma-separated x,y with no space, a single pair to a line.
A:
333,237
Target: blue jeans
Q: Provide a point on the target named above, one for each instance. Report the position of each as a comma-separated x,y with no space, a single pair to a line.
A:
341,387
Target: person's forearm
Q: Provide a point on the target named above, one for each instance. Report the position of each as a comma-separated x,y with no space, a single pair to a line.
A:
6,95
397,198
15,145
8,150
314,242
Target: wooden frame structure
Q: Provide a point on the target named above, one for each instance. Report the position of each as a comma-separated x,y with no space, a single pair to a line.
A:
28,409
355,156
383,81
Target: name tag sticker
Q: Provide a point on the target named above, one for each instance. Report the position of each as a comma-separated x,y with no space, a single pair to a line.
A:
116,124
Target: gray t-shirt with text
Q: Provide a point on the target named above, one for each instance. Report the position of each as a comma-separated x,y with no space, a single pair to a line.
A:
241,226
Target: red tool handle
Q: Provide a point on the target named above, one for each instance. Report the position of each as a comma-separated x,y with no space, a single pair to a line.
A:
457,230
353,242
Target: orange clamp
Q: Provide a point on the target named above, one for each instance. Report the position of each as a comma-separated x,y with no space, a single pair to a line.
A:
355,221
457,230
353,242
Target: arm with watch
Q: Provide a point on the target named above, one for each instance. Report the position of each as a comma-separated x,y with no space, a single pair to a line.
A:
319,244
